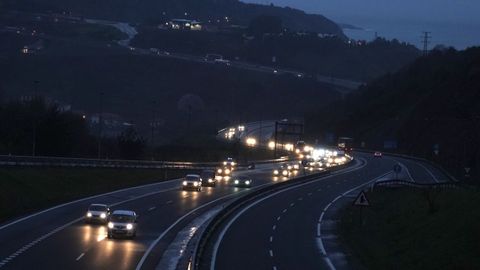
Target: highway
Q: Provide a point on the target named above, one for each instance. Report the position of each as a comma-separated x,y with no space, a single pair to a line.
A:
294,228
58,238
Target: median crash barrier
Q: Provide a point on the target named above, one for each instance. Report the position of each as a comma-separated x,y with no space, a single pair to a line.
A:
228,210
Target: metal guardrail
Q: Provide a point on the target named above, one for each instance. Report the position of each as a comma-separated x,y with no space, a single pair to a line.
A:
216,221
29,161
450,176
403,183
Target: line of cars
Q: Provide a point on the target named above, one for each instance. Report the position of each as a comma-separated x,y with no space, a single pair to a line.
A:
123,223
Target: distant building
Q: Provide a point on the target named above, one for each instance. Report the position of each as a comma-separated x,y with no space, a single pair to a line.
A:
184,24
34,47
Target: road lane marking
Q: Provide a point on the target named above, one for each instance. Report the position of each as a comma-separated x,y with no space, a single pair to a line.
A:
152,208
428,171
274,267
284,210
270,252
271,239
292,204
232,220
84,199
319,241
300,199
80,257
154,243
169,202
58,229
274,227
278,218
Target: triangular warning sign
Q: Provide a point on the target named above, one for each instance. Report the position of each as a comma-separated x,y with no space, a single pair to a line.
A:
361,200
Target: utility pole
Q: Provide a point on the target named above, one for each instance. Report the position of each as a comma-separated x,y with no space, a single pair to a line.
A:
426,40
100,126
275,140
152,124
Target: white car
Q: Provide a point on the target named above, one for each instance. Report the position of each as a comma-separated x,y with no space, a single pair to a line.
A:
97,213
122,223
192,182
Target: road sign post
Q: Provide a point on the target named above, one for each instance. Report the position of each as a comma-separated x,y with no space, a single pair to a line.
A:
397,169
362,202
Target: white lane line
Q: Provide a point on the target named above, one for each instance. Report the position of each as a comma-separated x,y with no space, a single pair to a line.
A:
309,194
81,200
274,227
320,245
278,218
284,210
271,239
428,171
152,208
154,243
233,219
58,229
319,189
300,199
406,169
80,257
292,204
274,267
169,202
270,252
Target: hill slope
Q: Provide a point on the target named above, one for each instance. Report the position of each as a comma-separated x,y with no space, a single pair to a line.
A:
432,103
154,10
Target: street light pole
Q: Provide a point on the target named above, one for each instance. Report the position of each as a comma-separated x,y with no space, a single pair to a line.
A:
100,126
35,120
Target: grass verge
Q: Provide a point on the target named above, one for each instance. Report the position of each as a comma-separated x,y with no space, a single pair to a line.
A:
24,190
402,230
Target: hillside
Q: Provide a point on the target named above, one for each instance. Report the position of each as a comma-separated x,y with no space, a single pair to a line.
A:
154,10
428,105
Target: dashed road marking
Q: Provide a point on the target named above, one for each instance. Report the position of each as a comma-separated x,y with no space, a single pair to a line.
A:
292,204
152,208
300,199
274,227
80,257
284,210
278,218
271,239
169,202
270,252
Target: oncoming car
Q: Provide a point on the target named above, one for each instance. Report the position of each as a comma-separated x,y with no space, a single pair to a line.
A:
122,223
225,171
242,181
192,182
377,154
281,171
208,178
97,213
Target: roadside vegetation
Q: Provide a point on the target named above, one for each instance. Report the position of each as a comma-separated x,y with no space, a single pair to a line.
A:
415,229
24,190
429,105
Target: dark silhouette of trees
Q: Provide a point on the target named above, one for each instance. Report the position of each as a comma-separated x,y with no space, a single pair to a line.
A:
130,144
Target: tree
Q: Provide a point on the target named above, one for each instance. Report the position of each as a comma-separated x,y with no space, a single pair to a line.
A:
265,24
130,144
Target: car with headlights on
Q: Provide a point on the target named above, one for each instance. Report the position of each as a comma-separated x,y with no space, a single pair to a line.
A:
377,154
242,181
225,171
97,213
281,171
208,178
192,182
122,223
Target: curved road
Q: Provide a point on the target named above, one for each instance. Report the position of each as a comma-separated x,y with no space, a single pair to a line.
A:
293,227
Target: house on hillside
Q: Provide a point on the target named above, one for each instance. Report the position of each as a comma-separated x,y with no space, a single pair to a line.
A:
184,24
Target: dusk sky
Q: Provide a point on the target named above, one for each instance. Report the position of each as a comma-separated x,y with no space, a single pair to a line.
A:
452,22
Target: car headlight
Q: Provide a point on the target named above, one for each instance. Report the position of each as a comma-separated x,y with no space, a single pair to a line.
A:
210,180
195,184
224,163
103,215
110,225
219,171
236,182
247,182
285,173
89,214
129,226
184,183
227,171
275,172
233,163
